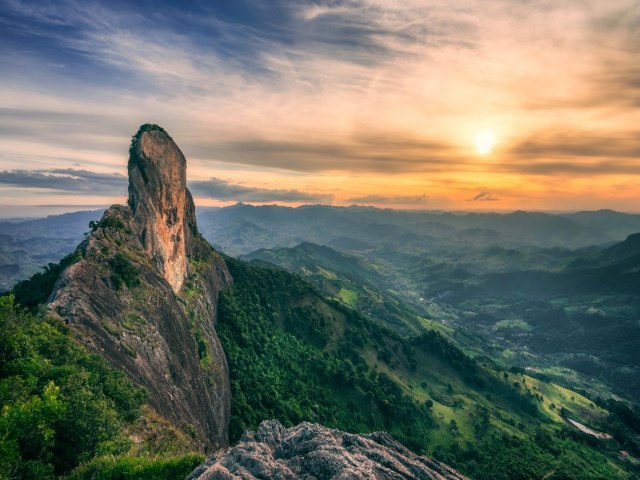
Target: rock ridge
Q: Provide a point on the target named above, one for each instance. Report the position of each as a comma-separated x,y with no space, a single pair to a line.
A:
143,294
313,452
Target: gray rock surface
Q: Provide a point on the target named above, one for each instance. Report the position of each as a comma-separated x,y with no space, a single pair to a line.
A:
143,294
313,452
162,206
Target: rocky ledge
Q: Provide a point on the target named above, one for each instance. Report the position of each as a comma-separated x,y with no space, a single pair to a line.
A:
313,452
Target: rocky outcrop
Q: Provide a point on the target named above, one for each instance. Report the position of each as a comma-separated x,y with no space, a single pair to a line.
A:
162,206
311,451
143,293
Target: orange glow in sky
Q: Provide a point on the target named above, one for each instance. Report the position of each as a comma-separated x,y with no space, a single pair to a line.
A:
493,105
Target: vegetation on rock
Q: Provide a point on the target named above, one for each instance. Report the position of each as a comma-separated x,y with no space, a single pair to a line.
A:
147,127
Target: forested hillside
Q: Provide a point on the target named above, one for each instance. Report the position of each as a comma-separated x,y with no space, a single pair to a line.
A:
295,356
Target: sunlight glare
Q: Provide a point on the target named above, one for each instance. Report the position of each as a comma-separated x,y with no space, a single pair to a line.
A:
484,141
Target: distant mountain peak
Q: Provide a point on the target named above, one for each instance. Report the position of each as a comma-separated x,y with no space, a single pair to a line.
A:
162,206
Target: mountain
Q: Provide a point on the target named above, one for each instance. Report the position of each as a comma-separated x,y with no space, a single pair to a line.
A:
616,224
346,278
67,225
296,355
487,277
359,228
241,229
27,245
626,254
571,320
142,293
581,314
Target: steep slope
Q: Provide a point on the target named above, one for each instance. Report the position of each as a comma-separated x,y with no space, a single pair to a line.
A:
143,292
163,210
63,407
296,356
346,278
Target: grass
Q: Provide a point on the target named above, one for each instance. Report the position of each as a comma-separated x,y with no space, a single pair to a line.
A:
327,274
437,326
583,409
349,297
134,323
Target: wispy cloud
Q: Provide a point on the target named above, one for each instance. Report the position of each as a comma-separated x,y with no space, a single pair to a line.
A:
579,143
219,189
576,152
574,169
355,153
65,181
407,200
483,197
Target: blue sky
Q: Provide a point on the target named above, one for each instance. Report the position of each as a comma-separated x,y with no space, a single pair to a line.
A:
374,101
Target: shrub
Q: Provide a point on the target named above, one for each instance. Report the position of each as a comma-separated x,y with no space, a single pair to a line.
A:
61,405
36,290
123,272
137,468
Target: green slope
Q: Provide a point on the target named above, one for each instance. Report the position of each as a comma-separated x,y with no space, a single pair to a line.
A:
295,355
349,279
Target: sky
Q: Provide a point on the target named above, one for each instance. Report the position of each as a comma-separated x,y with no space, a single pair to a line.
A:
442,105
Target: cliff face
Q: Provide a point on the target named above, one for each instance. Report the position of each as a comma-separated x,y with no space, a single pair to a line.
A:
312,451
162,207
143,293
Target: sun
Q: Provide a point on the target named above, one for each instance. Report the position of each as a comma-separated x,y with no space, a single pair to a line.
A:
484,141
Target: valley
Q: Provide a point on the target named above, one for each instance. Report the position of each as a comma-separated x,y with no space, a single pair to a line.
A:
475,338
568,311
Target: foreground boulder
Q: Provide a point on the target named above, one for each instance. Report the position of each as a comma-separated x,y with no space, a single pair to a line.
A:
142,293
310,451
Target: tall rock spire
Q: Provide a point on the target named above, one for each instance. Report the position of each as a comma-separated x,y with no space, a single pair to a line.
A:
162,206
132,298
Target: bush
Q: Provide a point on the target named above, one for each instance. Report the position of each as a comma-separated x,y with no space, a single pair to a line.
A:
36,290
123,272
107,222
61,405
137,468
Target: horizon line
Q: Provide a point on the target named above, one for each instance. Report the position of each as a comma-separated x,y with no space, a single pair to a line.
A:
94,207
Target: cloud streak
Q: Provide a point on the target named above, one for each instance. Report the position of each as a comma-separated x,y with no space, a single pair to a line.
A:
356,153
407,200
583,144
484,197
65,180
219,189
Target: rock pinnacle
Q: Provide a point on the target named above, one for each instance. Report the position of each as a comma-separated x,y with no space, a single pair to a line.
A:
162,206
